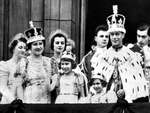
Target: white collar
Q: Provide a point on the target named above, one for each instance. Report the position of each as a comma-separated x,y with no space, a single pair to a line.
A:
98,49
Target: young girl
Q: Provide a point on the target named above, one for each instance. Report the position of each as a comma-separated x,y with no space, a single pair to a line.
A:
58,41
70,45
70,85
98,93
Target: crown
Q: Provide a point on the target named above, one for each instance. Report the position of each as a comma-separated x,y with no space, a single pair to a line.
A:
98,76
34,33
101,77
116,21
68,55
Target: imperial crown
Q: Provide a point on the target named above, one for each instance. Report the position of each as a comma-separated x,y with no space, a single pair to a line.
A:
34,33
116,21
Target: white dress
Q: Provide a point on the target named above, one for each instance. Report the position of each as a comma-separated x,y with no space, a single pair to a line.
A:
38,75
109,97
10,84
68,89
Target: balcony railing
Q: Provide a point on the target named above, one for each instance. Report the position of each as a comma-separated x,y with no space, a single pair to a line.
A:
119,107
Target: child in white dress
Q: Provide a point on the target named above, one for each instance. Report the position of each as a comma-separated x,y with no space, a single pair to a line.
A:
98,92
70,85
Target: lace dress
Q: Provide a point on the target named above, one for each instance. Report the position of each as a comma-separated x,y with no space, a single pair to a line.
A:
38,81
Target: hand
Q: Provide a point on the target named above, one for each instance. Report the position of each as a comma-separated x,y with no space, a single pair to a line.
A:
121,93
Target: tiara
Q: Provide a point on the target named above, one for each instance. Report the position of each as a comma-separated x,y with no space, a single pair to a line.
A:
68,55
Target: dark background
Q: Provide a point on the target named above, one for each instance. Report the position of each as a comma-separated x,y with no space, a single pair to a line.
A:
135,11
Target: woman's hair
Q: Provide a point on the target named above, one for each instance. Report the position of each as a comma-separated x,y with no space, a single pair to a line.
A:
53,39
57,33
16,39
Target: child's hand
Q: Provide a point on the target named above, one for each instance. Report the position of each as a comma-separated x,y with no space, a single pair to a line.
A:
121,93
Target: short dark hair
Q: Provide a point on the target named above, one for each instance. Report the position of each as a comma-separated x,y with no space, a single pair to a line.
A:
102,27
15,42
73,63
53,38
143,27
104,83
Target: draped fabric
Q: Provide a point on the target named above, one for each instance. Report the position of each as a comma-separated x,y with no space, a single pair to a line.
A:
10,84
120,107
130,71
85,64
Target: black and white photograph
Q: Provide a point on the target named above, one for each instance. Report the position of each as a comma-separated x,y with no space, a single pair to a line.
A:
74,56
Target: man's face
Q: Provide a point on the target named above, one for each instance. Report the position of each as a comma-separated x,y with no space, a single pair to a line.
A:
116,38
102,39
142,38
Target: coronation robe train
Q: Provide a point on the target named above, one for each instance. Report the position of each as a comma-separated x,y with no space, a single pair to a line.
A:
129,69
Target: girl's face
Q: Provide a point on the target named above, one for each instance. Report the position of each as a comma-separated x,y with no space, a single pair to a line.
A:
20,49
97,86
37,48
59,44
68,47
66,67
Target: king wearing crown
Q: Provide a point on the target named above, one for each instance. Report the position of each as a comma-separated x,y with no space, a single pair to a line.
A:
120,66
